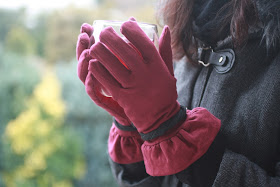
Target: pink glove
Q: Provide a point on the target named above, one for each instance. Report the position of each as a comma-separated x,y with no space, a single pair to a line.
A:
145,89
93,87
124,141
141,80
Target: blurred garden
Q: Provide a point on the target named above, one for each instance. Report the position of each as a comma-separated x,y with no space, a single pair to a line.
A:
52,134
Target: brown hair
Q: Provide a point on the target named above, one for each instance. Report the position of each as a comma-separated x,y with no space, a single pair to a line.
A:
177,14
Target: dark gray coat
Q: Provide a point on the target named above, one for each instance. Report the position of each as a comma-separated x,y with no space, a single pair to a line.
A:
247,100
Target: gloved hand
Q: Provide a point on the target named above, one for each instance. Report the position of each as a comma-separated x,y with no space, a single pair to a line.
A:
140,79
124,141
93,87
136,75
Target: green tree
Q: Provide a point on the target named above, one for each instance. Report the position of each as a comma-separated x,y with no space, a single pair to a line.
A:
9,19
39,150
19,41
18,77
62,31
90,122
39,32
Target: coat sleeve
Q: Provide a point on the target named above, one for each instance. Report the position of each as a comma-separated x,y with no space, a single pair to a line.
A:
133,175
237,170
223,167
171,152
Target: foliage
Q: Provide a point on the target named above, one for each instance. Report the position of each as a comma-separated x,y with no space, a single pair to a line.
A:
9,19
62,31
64,27
18,77
90,122
48,140
39,32
20,41
39,151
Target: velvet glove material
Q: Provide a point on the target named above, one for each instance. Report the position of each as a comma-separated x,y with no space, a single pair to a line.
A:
136,76
124,145
140,79
93,87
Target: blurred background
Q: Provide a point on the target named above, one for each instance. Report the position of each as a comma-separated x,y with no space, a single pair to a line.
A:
51,133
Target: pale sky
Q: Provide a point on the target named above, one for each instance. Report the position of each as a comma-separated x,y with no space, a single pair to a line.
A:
35,6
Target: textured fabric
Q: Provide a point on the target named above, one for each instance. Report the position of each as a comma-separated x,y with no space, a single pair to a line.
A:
124,147
135,175
245,172
208,22
141,83
209,18
144,85
178,149
268,11
93,87
166,126
123,127
246,99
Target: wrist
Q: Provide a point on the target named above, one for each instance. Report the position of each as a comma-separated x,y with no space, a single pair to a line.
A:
181,146
123,122
166,127
124,144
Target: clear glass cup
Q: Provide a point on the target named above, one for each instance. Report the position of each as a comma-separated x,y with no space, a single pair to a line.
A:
150,30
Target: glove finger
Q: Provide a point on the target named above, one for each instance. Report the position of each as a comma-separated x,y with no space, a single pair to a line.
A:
91,41
108,103
86,28
83,65
132,31
122,50
104,77
85,39
111,63
165,48
132,19
82,44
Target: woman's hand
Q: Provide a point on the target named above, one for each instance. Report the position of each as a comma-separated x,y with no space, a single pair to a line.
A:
137,75
140,79
124,143
93,87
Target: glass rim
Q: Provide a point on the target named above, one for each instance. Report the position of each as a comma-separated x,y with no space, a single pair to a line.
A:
121,22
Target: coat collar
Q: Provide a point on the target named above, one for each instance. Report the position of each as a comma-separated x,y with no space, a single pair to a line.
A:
206,22
269,15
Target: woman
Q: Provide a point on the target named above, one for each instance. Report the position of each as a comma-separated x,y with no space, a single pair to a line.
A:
228,79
